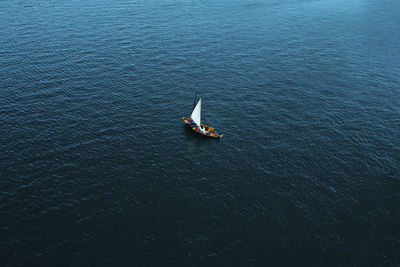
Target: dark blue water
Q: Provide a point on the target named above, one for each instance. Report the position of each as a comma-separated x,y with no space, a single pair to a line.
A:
97,168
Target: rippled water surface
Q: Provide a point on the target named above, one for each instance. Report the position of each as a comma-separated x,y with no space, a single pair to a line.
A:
97,168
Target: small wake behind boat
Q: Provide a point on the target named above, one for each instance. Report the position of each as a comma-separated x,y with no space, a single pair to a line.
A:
195,122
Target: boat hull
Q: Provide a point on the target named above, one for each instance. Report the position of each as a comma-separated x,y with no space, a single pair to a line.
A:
209,130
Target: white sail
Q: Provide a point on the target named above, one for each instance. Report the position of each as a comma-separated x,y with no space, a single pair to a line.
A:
196,114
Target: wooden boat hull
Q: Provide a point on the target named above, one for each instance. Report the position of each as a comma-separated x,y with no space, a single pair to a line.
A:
209,130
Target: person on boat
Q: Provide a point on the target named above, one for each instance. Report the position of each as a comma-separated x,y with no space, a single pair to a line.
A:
204,130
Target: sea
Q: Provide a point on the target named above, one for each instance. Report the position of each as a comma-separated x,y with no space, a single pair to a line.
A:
98,169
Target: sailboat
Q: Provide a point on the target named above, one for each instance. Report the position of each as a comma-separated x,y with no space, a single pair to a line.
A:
194,122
